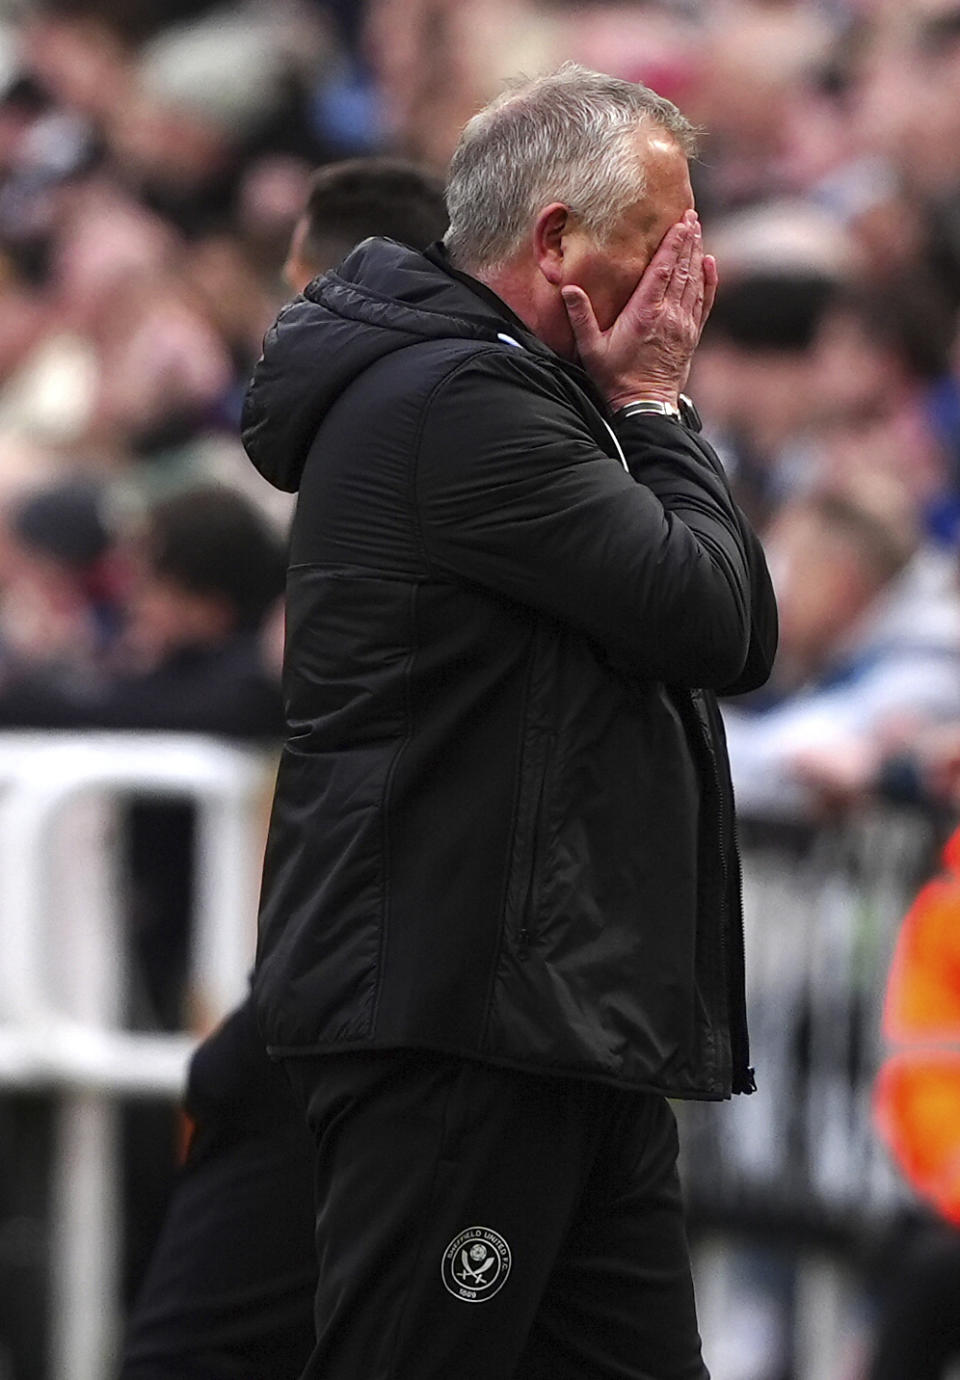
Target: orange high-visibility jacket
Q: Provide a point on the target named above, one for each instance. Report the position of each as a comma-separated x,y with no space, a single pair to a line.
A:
917,1094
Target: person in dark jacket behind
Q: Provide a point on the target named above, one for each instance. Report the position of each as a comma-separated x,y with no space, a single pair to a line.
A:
500,907
230,1286
212,568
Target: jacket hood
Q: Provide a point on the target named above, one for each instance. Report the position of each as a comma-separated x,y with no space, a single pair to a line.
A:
383,297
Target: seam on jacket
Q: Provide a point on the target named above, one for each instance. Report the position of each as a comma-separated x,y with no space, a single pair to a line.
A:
336,570
551,1068
369,294
514,816
383,947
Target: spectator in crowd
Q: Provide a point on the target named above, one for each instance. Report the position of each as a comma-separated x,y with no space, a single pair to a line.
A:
754,378
917,1110
870,645
230,1288
65,581
881,372
211,571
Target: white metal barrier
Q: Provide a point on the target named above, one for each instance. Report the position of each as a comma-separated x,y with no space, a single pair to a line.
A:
63,971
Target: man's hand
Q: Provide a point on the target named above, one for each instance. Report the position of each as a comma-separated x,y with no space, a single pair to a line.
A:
646,353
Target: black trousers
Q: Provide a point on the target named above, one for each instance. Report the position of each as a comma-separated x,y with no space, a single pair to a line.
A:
229,1291
483,1224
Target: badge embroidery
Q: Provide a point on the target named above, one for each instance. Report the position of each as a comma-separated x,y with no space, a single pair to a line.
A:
475,1265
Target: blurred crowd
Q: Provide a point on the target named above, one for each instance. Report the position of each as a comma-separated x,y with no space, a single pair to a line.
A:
154,158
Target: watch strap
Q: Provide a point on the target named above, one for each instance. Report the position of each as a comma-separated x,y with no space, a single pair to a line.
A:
686,412
654,407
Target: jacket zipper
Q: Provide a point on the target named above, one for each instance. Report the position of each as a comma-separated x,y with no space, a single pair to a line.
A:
743,1077
526,933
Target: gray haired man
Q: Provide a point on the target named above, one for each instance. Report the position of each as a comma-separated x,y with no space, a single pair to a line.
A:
500,917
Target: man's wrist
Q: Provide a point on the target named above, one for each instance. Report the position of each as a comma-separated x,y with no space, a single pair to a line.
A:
644,393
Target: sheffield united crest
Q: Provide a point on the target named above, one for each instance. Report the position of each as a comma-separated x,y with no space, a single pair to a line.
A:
476,1264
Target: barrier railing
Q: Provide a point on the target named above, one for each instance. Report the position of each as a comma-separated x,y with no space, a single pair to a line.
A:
799,1161
63,976
822,910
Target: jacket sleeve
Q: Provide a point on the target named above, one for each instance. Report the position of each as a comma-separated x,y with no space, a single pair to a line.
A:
650,445
514,494
764,624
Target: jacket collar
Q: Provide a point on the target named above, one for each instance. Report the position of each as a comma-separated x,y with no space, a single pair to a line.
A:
437,255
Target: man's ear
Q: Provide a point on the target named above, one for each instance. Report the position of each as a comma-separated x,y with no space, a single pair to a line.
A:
296,274
548,231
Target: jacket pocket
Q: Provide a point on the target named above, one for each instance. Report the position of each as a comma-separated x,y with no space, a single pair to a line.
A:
530,839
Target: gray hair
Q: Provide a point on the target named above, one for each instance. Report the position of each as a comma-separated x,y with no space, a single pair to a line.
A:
563,137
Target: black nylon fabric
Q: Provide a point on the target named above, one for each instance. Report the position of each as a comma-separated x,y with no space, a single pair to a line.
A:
502,821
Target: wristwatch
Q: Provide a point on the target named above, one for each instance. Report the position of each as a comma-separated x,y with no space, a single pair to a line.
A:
686,413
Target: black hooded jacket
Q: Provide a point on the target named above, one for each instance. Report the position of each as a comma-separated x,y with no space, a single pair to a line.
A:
503,821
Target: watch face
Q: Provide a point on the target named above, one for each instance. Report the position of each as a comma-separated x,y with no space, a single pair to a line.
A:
689,414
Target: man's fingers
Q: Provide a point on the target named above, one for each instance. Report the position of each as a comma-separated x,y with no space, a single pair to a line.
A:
681,268
658,275
694,286
710,280
582,320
